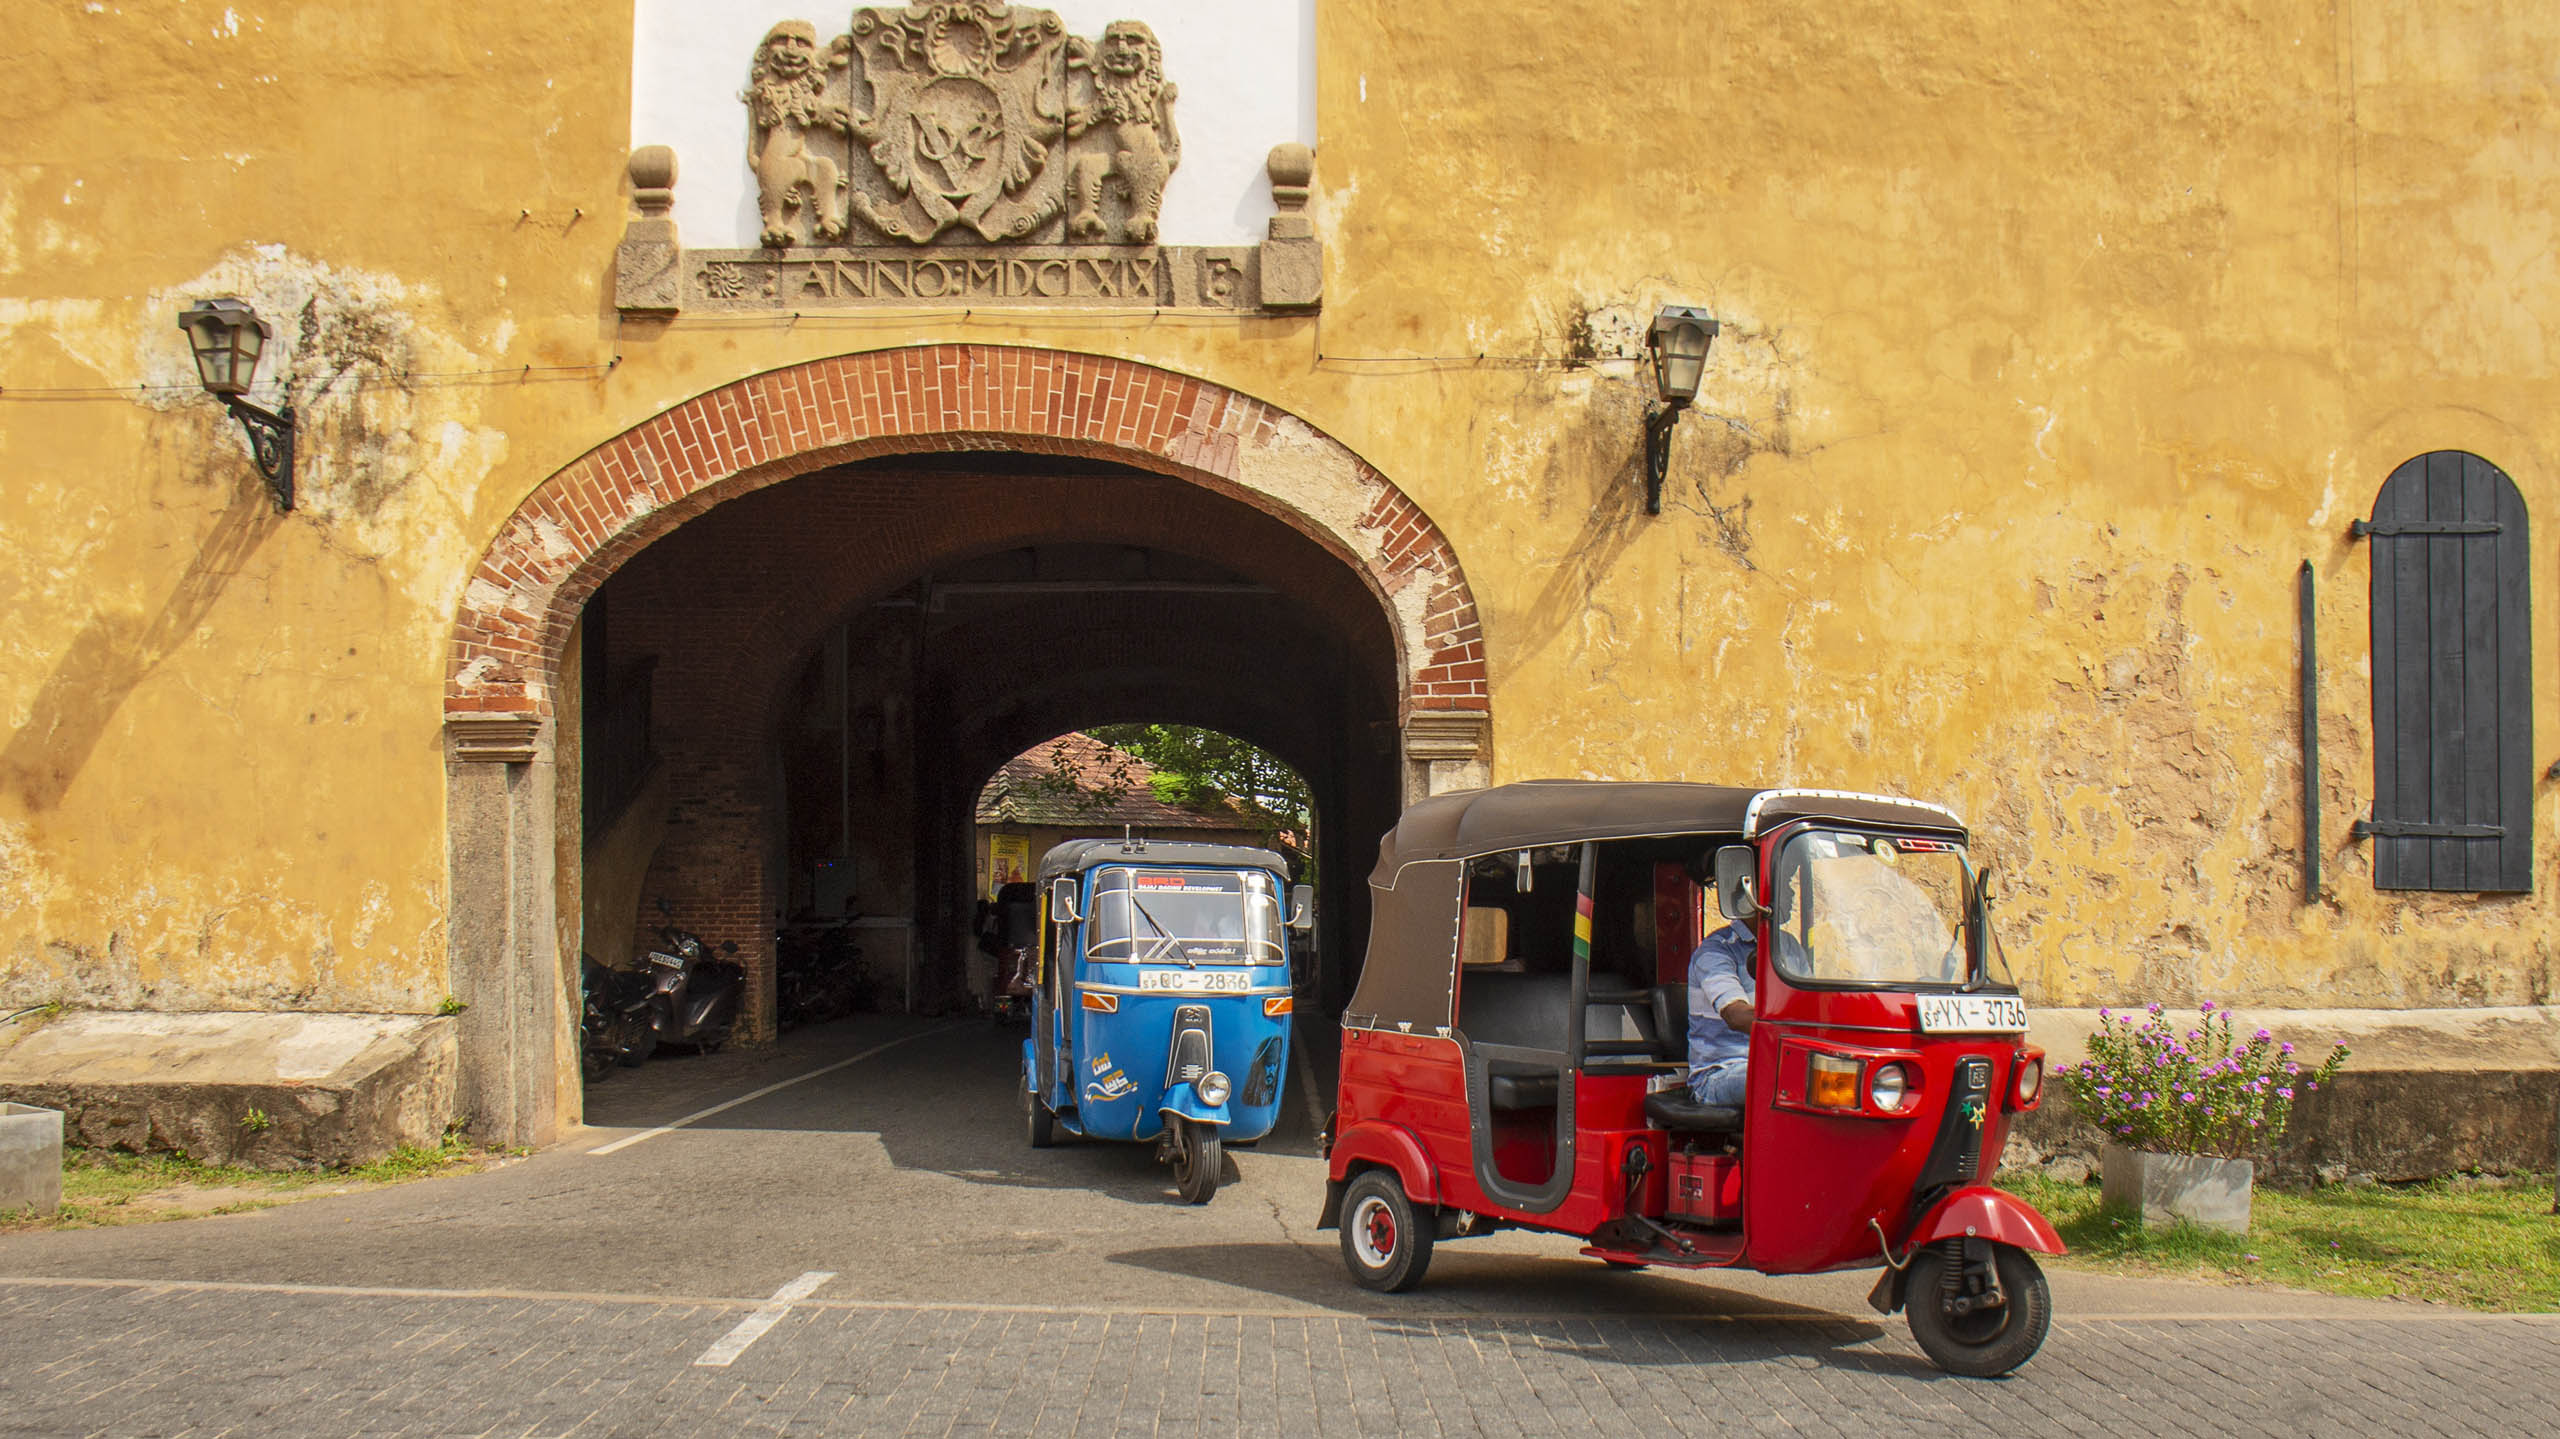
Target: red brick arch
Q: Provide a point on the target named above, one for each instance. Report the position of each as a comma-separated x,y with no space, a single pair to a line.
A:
585,521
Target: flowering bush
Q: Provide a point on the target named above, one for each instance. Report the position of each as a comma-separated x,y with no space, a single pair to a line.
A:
2148,1087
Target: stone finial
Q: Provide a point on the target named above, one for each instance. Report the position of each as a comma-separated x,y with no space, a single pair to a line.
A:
653,179
1292,168
1292,258
645,266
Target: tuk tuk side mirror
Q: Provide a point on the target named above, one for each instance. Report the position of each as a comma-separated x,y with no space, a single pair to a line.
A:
1736,896
1302,907
1062,900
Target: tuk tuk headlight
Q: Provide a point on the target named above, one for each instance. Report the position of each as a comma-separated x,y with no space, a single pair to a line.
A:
1213,1088
1889,1088
2030,1082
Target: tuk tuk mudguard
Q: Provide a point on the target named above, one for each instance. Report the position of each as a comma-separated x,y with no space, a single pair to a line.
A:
1377,1142
1978,1212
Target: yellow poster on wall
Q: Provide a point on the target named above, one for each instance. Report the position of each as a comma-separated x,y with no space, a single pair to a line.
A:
1008,860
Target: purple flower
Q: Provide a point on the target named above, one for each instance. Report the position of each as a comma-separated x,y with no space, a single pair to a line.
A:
2155,1008
2284,1049
2263,1035
2286,1093
2207,1008
2102,1014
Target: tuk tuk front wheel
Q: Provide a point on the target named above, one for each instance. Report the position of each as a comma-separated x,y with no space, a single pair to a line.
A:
1198,1155
1039,1125
1386,1242
1985,1343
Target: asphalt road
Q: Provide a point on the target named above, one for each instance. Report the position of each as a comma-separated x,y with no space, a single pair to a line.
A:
878,1250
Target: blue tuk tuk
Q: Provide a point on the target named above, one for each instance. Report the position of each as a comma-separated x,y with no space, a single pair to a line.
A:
1163,1002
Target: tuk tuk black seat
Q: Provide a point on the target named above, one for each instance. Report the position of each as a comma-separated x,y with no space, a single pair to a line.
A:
1677,1110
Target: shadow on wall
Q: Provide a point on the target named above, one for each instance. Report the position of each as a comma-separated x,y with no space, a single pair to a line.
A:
111,656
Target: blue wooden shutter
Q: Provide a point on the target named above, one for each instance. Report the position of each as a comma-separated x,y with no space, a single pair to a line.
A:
2452,679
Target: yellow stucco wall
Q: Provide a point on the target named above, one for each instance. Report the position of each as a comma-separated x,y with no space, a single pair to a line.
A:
2056,337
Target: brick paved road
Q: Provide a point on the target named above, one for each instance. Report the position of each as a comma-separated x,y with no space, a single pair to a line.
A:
135,1358
980,1286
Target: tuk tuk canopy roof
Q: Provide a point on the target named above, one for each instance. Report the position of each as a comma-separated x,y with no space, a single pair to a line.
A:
1409,978
1077,855
1539,812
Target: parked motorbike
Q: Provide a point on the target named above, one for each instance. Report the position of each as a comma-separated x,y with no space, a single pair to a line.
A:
693,998
614,1025
818,974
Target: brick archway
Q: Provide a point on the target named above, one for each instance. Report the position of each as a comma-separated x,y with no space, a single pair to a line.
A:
612,502
511,632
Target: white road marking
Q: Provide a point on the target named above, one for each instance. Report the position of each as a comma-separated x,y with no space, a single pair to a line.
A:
767,1315
631,1139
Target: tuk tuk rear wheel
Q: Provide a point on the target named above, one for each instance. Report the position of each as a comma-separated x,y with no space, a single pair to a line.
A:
1198,1155
1039,1125
1989,1342
1386,1242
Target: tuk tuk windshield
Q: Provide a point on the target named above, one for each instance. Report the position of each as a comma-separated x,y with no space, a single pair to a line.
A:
1873,910
1184,916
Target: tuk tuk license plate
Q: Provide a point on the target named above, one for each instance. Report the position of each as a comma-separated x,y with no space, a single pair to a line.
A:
1972,1014
1195,981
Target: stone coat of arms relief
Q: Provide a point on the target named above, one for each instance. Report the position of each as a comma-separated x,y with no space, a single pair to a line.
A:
983,118
962,150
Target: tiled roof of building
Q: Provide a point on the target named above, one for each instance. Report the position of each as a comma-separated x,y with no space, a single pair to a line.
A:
1110,788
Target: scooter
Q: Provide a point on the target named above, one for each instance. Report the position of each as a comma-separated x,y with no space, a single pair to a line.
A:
614,1027
693,999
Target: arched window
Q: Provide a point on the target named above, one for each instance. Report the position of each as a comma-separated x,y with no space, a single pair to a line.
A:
2452,679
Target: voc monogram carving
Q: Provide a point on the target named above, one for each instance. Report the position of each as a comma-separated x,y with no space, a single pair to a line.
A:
960,120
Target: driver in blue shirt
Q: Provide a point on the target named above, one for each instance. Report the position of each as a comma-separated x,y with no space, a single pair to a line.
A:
1720,1015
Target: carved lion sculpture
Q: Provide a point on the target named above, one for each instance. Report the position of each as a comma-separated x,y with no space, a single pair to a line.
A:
786,98
1133,108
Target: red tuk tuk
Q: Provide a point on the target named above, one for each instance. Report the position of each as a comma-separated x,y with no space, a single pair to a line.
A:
1515,1055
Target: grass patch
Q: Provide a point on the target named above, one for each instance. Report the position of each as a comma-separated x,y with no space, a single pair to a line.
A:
105,1187
2483,1243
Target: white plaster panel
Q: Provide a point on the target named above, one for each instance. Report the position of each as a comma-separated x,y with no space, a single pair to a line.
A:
1246,69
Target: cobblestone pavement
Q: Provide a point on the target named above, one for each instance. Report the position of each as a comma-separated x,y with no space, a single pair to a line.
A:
138,1358
944,1278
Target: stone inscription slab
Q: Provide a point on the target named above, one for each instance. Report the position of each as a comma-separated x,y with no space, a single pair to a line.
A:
1171,277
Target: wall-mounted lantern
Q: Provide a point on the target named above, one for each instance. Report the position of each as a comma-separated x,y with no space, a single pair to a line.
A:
1679,340
228,338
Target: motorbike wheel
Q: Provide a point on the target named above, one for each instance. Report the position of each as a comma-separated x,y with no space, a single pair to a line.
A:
1039,1125
1198,1155
595,1063
1386,1242
639,1040
1989,1342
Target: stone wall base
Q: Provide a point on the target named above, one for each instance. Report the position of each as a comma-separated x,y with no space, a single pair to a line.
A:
270,1091
2425,1093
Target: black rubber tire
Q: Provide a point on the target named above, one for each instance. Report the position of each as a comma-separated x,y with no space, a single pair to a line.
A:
1039,1125
1198,1157
1623,1267
1988,1344
595,1063
639,1041
1386,1242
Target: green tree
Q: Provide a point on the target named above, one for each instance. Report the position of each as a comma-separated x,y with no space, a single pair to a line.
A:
1204,769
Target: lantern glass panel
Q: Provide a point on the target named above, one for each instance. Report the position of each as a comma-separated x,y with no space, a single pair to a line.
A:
1681,363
